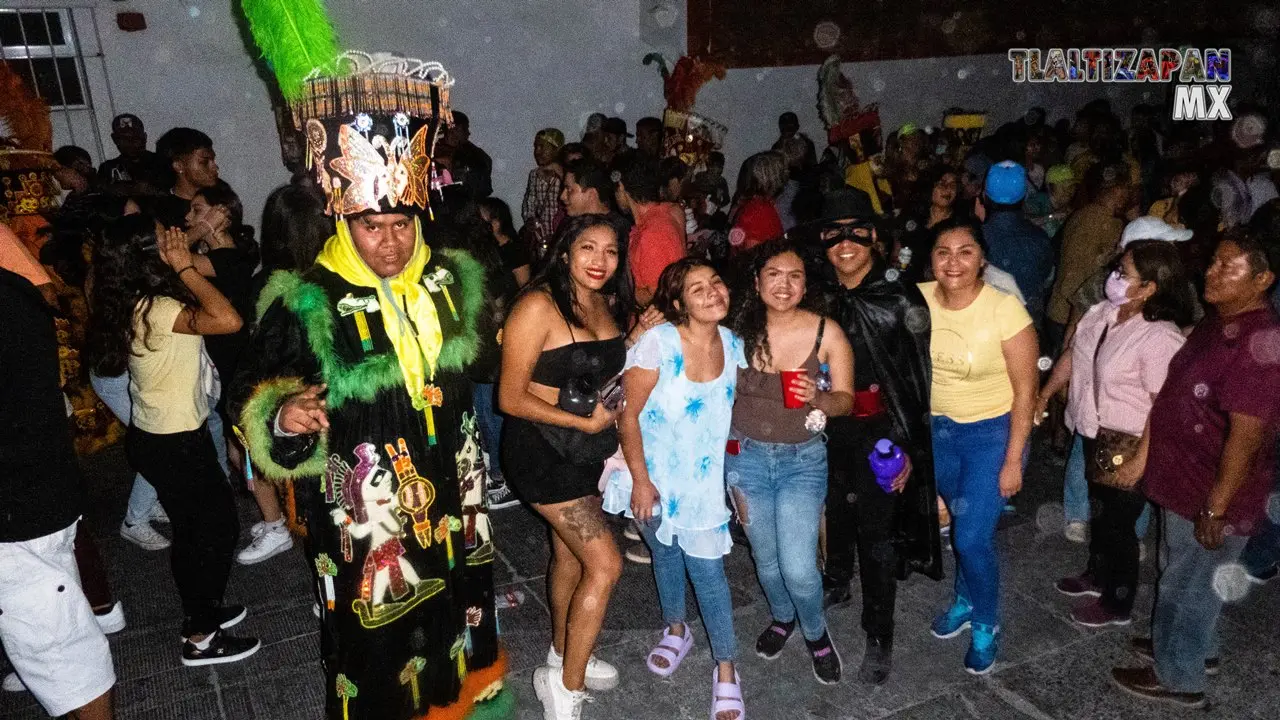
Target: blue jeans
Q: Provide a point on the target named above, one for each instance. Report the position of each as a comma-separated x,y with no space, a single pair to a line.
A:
219,440
1184,625
114,393
490,426
1075,491
710,588
967,458
778,490
1263,551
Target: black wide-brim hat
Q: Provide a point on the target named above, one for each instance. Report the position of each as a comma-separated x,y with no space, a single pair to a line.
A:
845,206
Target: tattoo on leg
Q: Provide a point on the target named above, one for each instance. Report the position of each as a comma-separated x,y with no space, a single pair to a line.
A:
584,518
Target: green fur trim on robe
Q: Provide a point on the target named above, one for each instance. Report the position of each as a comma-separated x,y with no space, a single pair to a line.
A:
258,422
461,350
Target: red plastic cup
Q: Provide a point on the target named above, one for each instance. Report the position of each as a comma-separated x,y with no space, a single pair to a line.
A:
790,400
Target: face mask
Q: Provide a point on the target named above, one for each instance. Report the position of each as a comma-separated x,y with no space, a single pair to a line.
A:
1117,289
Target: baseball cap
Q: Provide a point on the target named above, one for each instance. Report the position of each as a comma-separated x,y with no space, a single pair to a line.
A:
126,121
1060,175
1152,228
616,126
1006,183
550,136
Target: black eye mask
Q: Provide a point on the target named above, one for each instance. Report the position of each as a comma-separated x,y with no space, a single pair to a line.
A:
837,233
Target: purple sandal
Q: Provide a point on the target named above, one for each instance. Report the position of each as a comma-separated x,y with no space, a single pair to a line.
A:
726,697
671,648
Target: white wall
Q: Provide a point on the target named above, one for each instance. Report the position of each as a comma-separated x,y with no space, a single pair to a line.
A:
520,65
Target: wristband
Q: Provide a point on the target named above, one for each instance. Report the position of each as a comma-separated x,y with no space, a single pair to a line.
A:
189,267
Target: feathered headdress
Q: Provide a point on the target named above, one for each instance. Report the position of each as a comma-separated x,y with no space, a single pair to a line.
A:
688,135
839,107
27,187
369,121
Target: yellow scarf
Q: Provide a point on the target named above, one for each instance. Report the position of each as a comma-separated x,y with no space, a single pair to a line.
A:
401,299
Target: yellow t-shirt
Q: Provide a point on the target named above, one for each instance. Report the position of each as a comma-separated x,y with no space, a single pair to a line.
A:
970,381
164,372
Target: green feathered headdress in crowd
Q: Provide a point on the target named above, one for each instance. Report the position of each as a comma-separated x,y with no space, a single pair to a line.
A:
295,37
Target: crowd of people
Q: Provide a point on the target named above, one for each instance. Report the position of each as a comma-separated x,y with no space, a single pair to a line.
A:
845,378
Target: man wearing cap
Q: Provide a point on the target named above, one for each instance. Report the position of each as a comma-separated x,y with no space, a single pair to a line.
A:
1089,240
1014,243
540,209
137,168
887,533
613,141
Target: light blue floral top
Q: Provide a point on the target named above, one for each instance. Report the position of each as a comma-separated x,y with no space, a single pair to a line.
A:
684,425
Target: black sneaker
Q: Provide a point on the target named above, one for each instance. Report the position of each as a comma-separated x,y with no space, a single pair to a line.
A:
499,495
222,648
877,661
770,643
826,661
230,615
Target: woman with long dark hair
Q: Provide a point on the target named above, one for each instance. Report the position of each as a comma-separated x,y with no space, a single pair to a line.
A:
562,341
294,230
777,463
150,308
935,201
224,251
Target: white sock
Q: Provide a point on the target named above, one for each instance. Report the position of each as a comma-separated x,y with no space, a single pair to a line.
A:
275,525
205,643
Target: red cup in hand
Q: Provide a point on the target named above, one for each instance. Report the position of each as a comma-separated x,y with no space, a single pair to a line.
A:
790,400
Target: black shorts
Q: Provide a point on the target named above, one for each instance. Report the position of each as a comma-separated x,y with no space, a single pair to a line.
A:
538,473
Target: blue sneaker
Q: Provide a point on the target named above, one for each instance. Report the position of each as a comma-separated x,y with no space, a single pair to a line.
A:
954,621
983,646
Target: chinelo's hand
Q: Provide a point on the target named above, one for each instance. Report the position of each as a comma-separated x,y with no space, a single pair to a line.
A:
306,412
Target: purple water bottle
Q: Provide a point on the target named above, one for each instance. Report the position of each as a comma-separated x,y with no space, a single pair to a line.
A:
887,462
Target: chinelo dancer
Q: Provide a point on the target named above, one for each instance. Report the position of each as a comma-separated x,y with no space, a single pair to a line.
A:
354,388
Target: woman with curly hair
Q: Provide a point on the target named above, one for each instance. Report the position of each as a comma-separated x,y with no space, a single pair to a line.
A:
777,463
150,308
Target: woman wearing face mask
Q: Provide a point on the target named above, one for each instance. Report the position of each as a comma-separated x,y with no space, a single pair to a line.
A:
777,463
680,382
1116,363
983,394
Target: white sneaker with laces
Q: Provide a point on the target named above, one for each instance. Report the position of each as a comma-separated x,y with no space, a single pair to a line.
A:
558,702
113,621
159,515
257,528
144,536
274,540
12,683
631,533
600,674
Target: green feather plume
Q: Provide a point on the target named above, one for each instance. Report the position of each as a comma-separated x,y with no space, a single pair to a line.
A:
295,37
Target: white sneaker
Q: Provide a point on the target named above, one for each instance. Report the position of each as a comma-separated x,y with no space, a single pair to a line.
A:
639,553
600,674
631,533
12,683
159,515
558,702
1076,532
144,536
258,528
273,541
111,622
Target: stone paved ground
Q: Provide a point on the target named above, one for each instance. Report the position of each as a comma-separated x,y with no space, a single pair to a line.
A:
1048,668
